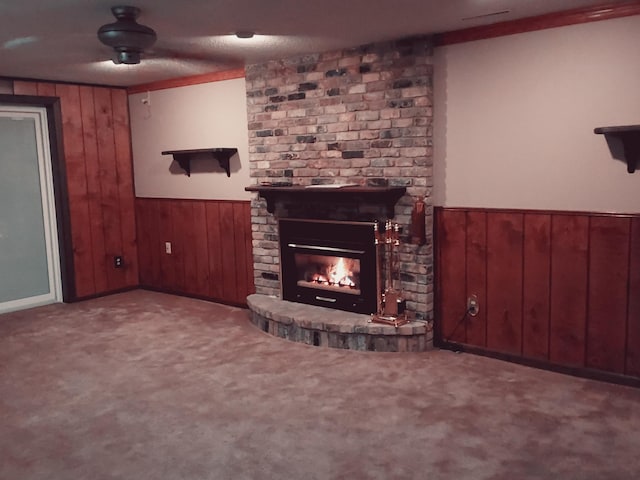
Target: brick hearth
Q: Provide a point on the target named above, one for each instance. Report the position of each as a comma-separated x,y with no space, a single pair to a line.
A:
324,327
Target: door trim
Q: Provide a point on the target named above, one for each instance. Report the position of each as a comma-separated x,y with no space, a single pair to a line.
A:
47,205
58,172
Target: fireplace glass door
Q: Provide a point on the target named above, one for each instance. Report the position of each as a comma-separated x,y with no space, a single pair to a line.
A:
331,264
329,272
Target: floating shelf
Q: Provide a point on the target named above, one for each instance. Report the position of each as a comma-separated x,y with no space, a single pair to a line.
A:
629,135
387,196
183,157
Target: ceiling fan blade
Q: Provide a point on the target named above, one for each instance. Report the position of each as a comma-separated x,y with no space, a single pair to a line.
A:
19,42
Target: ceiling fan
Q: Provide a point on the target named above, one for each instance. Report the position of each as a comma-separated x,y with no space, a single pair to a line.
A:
126,36
131,40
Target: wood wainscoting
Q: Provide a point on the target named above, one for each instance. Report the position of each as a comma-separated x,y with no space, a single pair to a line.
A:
557,288
211,253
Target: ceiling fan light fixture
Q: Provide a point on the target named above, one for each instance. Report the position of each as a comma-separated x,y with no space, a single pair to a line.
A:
126,57
245,34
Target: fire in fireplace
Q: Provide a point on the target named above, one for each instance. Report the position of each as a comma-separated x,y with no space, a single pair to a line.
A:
329,263
328,272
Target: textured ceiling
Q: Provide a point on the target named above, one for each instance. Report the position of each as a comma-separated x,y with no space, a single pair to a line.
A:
56,39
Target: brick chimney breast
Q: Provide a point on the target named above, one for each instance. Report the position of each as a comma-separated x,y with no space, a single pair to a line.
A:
360,115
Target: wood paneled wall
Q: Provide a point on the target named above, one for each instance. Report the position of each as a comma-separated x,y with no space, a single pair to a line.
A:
98,164
559,287
211,247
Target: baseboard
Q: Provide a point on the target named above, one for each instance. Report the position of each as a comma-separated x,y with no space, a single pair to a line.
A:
102,294
581,372
193,295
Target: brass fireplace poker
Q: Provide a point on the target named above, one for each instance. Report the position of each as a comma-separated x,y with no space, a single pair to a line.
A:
391,305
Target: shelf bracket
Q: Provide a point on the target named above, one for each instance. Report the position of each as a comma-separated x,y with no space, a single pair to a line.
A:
629,136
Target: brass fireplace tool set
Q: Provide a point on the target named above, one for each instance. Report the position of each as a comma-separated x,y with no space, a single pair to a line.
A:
391,306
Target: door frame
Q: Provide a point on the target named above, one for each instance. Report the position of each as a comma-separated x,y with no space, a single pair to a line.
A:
60,192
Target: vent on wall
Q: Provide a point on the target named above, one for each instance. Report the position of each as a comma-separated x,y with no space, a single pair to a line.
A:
624,143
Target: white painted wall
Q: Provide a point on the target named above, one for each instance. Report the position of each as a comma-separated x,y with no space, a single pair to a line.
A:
208,115
514,119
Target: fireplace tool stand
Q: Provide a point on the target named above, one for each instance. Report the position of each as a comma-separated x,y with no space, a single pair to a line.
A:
391,306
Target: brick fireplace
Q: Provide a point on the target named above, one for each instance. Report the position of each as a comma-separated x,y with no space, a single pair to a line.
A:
360,116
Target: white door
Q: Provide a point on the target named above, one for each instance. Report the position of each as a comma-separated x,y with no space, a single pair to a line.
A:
29,255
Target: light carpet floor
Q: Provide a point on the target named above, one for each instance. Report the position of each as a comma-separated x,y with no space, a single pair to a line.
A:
143,385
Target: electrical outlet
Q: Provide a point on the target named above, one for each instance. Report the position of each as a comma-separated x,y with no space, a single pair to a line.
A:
472,305
118,261
167,248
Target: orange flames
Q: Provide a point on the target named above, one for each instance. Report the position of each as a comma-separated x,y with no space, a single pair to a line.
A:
337,274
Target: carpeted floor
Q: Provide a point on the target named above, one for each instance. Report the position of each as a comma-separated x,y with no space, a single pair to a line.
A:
143,385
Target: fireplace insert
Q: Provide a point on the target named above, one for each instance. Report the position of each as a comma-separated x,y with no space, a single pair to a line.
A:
329,263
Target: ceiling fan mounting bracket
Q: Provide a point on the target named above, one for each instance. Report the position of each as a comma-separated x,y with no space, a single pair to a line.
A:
125,12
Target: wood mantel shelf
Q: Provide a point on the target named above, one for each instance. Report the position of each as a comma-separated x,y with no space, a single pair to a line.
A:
183,157
629,135
387,196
